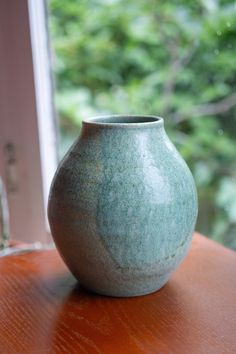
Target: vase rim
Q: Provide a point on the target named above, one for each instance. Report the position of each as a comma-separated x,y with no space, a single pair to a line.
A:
125,121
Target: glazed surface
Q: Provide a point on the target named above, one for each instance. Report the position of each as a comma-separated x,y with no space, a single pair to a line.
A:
122,208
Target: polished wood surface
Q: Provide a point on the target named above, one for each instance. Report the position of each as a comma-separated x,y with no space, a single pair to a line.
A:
44,310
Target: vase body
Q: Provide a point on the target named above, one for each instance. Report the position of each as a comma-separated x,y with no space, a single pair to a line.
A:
122,206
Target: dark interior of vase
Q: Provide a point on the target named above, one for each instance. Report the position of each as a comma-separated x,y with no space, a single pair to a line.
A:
125,119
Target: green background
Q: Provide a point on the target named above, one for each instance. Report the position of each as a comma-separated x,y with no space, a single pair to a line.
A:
175,59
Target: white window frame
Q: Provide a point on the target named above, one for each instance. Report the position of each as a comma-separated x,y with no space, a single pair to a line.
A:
28,148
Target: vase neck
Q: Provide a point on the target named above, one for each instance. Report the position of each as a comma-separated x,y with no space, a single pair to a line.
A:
124,122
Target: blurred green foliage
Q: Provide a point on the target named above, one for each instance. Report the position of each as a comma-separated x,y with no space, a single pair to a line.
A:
176,59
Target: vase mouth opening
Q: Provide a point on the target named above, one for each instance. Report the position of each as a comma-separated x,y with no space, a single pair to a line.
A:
125,120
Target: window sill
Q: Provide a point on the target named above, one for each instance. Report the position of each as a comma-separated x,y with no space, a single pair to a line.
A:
43,309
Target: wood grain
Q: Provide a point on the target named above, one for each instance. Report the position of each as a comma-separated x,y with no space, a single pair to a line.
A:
44,310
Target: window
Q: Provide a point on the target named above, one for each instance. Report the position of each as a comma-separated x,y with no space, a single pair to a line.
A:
173,59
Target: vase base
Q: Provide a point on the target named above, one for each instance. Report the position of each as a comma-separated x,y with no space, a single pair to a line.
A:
131,290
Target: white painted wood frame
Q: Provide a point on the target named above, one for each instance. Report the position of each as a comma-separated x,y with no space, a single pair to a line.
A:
28,154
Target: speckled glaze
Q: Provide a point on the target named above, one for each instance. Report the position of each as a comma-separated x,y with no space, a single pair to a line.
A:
123,206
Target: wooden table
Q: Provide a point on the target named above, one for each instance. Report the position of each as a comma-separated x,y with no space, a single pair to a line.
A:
44,310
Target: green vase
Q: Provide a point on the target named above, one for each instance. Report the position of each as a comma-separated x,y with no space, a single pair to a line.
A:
123,206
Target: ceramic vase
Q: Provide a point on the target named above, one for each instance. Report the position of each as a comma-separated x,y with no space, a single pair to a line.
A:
122,206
